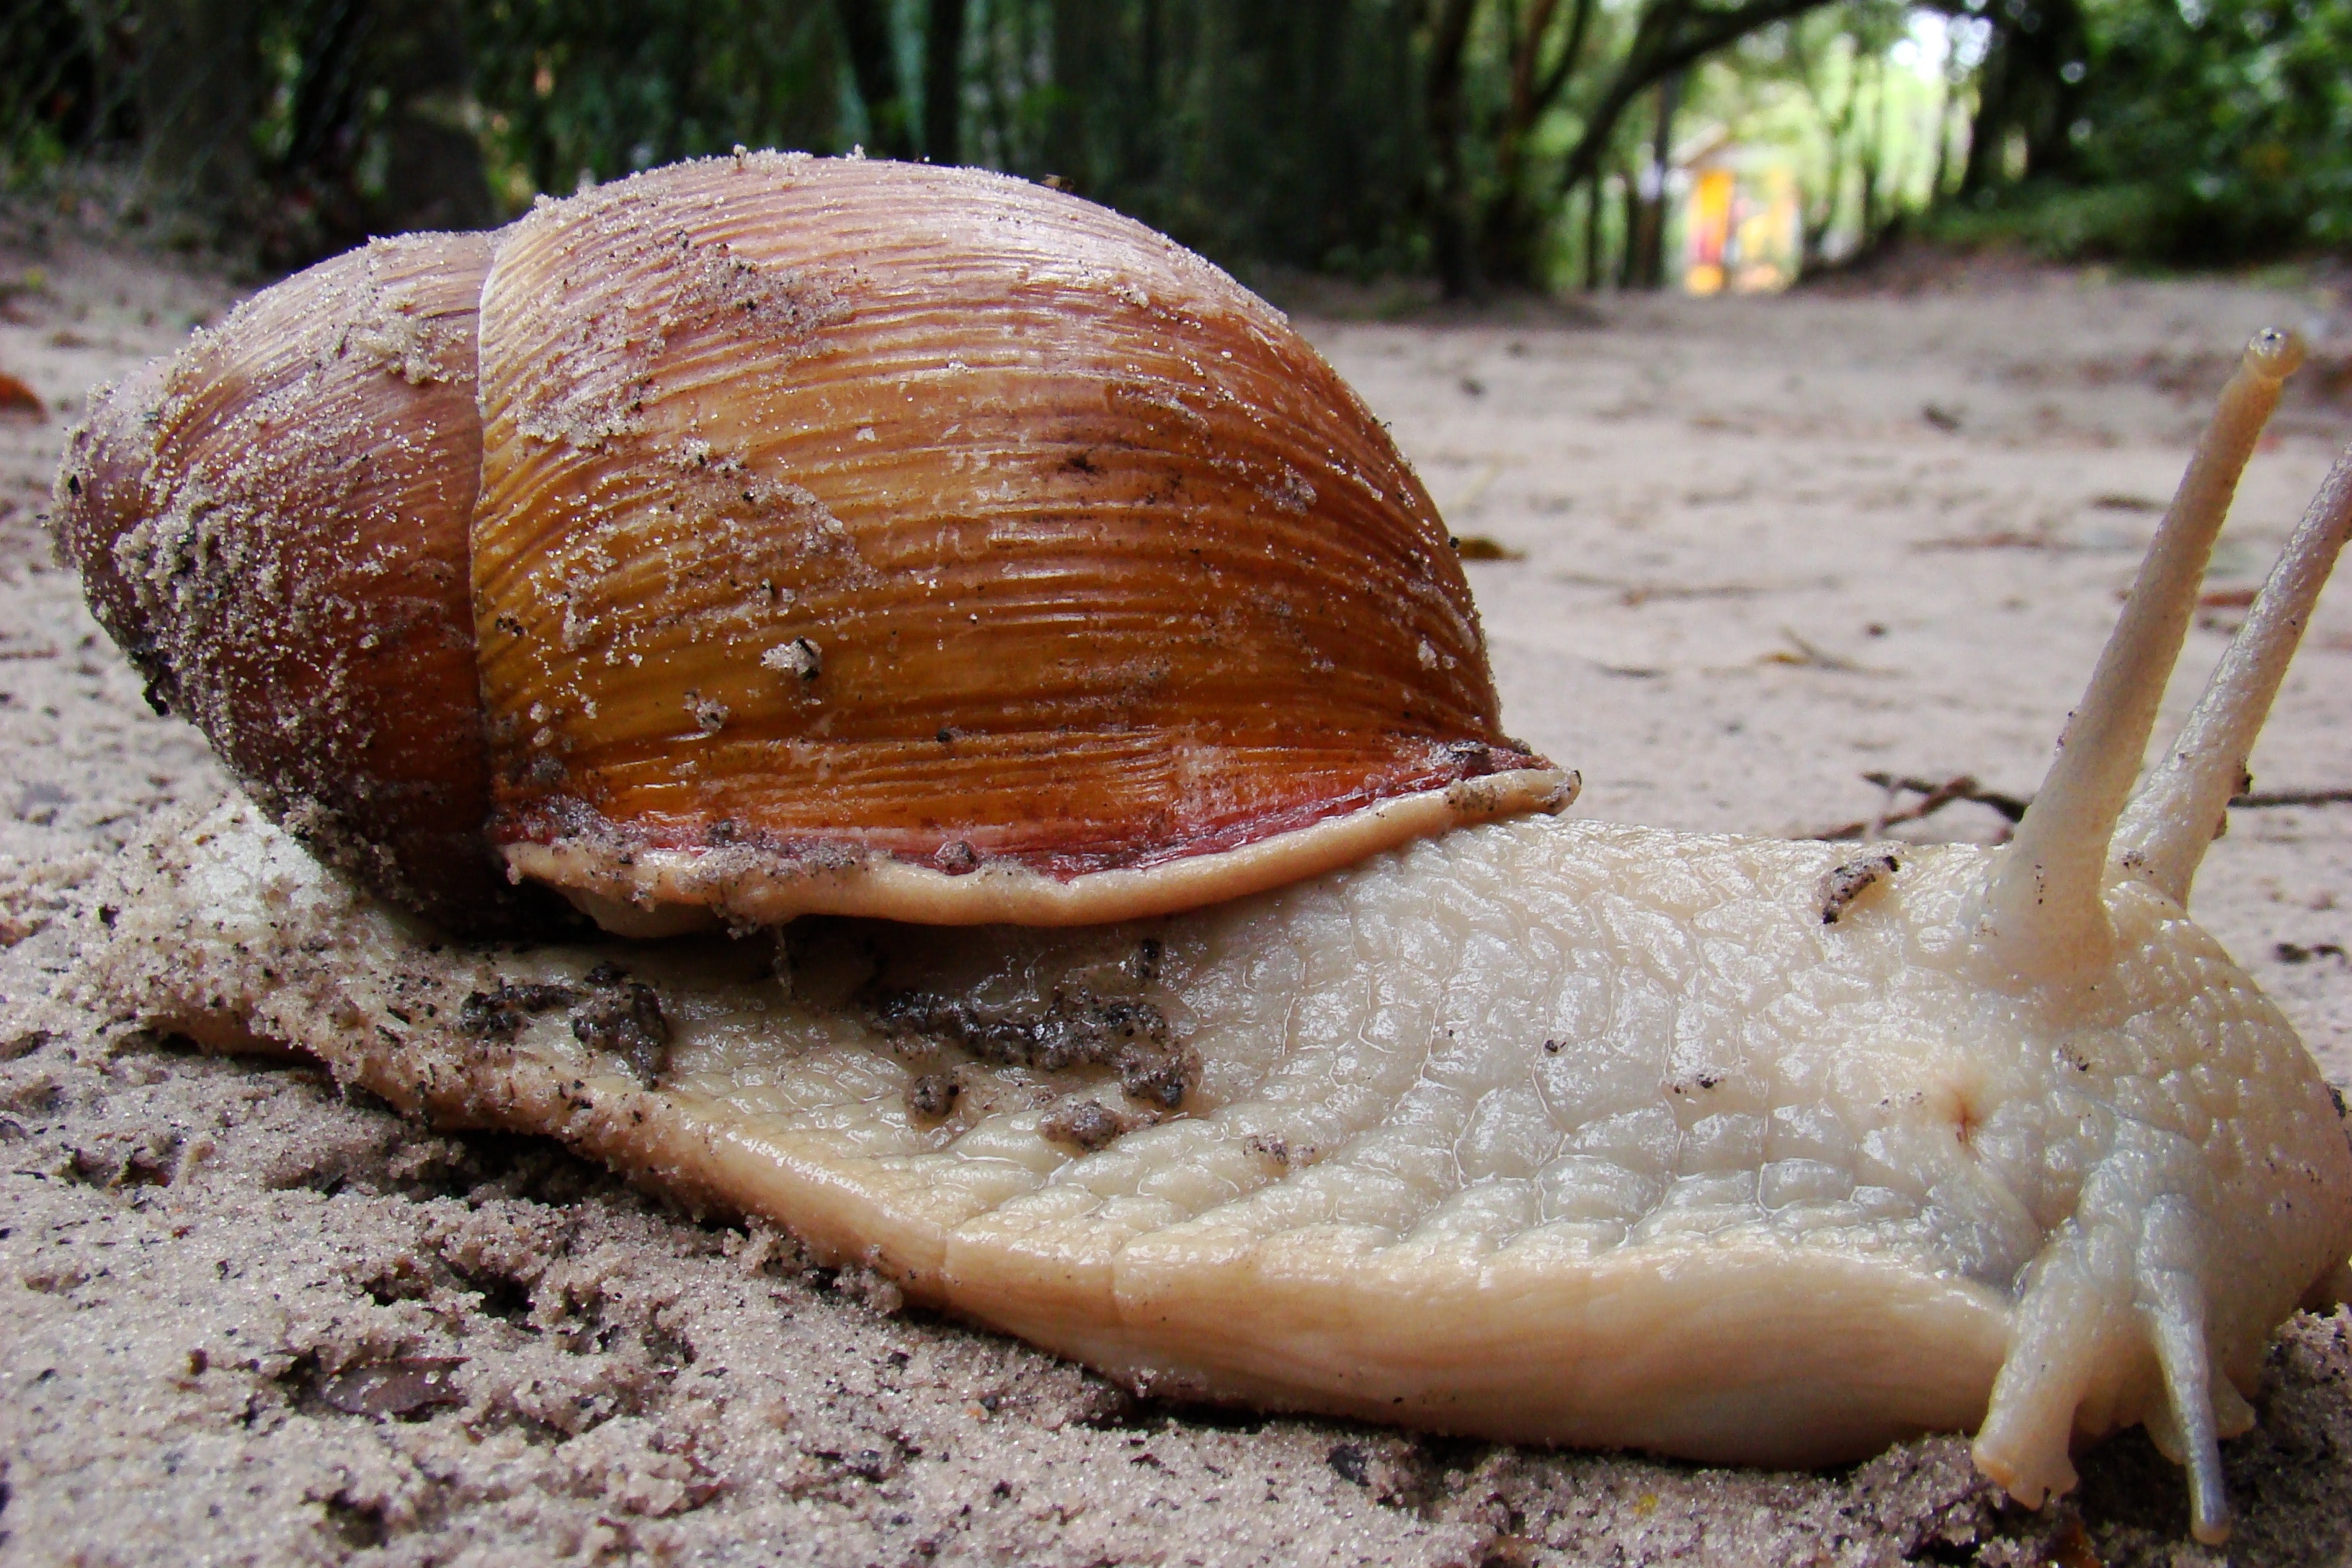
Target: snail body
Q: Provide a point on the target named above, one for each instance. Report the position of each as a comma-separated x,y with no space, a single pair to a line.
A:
1528,1127
1549,1131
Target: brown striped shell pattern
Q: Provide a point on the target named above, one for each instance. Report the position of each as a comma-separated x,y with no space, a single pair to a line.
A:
774,534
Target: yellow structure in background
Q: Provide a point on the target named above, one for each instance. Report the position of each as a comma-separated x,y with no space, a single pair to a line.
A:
1741,225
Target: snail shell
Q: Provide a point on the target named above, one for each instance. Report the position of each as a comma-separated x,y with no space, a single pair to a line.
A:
273,527
773,534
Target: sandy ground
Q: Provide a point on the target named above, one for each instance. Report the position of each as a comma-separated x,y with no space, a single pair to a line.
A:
1755,551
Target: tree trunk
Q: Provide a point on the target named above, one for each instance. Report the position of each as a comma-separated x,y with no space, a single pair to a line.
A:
1658,197
1146,152
866,33
1988,125
1083,54
197,99
1592,272
1449,200
1512,228
2022,92
2061,40
1629,251
326,85
943,82
1937,181
1507,232
432,165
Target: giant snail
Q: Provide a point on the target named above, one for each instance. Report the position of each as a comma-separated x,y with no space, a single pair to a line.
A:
1225,1005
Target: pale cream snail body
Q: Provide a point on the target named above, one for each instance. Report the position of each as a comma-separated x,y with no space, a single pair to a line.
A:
872,541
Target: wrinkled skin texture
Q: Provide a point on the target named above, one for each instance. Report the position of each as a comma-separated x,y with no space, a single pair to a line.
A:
1615,1142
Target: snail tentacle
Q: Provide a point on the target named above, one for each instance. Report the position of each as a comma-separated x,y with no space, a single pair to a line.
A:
2043,913
2184,803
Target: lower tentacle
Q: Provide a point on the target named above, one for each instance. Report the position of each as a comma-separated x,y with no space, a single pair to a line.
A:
2113,1328
2183,1425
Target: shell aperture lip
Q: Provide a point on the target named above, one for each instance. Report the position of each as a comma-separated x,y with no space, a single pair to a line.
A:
633,889
1085,561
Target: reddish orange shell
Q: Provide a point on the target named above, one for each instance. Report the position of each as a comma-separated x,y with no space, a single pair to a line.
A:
840,513
785,534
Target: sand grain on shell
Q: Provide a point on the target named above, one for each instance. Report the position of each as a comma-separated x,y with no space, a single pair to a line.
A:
1756,566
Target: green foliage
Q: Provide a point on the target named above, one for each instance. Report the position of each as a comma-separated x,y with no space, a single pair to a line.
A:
65,82
1272,132
1361,136
600,88
1493,142
2238,123
2205,131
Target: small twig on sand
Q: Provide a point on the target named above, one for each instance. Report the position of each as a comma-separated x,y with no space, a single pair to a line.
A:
2256,799
1933,797
1807,656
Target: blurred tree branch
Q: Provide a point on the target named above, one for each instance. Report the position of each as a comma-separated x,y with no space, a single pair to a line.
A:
1671,35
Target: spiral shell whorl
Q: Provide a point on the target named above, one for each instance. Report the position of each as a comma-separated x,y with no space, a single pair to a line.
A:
273,526
833,511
